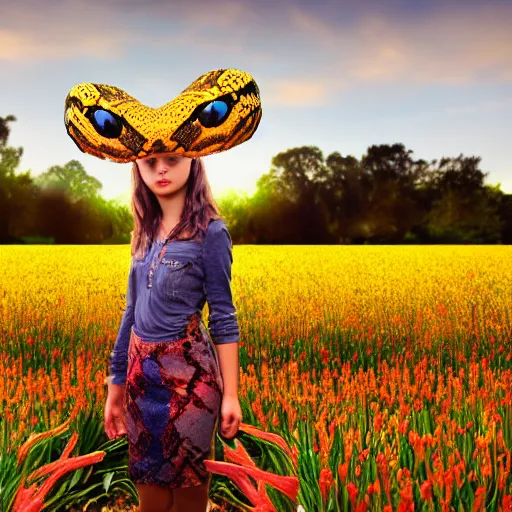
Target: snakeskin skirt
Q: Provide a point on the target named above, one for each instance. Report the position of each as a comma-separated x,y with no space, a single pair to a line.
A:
172,403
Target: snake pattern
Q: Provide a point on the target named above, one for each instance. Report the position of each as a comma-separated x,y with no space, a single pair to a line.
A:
219,110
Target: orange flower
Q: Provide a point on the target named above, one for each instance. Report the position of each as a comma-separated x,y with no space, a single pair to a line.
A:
426,490
288,485
239,455
266,436
478,504
36,438
31,499
343,471
378,421
326,481
352,493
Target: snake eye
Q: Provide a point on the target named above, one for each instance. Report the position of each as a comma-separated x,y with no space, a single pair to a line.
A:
213,114
106,124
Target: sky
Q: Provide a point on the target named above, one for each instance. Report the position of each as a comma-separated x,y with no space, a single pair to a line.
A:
342,76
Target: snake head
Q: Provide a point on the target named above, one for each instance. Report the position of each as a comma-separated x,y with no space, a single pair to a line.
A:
219,110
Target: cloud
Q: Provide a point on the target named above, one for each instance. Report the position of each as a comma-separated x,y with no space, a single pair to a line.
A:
487,106
19,46
289,93
317,52
443,46
225,15
35,31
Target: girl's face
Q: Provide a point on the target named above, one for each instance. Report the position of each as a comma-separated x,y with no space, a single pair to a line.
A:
174,169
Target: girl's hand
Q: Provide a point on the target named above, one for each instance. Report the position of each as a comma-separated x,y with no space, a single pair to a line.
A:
231,414
115,415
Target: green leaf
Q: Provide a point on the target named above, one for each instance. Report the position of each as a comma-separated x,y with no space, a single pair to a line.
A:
76,477
106,481
63,488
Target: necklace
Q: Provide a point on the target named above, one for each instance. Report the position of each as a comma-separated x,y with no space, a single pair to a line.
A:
157,260
163,233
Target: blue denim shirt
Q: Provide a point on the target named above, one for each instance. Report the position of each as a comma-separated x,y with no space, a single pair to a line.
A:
189,274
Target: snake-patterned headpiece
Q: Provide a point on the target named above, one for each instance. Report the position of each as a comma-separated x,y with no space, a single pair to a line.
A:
216,112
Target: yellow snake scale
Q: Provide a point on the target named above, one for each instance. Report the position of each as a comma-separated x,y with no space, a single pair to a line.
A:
216,112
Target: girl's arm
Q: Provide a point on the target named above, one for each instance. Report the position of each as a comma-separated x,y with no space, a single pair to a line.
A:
222,319
119,355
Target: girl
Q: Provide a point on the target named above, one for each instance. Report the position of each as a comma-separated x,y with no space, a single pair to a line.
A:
168,383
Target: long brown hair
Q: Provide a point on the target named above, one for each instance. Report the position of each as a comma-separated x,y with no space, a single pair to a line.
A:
199,209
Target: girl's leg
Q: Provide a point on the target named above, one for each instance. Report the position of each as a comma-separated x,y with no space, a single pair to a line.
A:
191,499
154,498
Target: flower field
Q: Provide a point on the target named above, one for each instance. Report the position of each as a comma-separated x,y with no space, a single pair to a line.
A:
387,371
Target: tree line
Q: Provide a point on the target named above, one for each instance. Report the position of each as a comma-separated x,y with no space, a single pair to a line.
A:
385,197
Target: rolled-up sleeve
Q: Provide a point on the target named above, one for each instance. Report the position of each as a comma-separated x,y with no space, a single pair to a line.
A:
217,260
119,355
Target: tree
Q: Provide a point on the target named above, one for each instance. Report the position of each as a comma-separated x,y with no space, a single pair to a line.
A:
72,179
392,203
464,210
293,185
16,190
4,129
345,195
